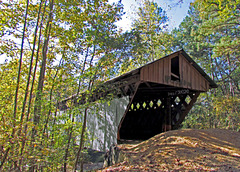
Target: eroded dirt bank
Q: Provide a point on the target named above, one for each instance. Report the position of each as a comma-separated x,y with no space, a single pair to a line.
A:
182,150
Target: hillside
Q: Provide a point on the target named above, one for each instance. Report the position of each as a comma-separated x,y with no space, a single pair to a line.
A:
183,150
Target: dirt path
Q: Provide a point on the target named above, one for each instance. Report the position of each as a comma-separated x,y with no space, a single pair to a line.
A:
183,150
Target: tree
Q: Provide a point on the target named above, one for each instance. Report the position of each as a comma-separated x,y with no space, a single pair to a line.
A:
208,33
148,39
221,18
74,31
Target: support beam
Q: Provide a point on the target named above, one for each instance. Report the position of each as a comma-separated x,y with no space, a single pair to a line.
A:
188,108
168,116
127,109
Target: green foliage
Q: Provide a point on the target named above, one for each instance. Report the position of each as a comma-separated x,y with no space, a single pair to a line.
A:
150,26
210,34
73,38
214,112
148,38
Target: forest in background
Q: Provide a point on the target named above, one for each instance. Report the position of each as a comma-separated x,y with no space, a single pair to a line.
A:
57,49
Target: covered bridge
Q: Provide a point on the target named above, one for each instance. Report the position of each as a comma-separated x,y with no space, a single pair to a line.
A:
161,94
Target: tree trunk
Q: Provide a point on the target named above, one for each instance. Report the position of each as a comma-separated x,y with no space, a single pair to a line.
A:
50,99
82,139
37,107
17,88
28,80
20,66
68,145
85,118
84,63
230,83
33,80
31,63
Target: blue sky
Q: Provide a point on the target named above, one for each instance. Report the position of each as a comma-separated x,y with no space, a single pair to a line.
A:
175,14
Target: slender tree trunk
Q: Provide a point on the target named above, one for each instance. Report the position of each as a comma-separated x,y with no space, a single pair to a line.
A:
79,153
230,83
219,69
4,158
33,80
85,115
37,108
82,139
54,122
68,145
20,65
50,99
28,83
84,63
31,63
212,70
17,87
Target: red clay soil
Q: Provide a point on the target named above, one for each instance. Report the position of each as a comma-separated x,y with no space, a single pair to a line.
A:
183,150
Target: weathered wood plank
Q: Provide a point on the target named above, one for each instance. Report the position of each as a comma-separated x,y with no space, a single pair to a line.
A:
142,74
146,74
156,73
151,72
182,70
188,75
160,71
196,80
166,70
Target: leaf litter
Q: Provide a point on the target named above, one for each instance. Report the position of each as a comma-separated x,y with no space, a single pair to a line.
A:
182,150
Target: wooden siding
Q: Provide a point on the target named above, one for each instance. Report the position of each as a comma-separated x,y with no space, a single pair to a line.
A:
160,72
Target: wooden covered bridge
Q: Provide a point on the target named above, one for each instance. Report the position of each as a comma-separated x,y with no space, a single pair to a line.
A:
161,94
